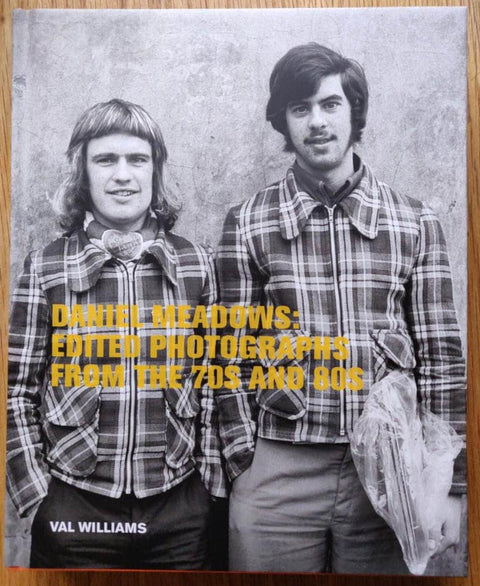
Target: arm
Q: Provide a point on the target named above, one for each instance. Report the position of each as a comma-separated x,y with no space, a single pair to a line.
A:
29,342
440,370
432,319
240,284
208,452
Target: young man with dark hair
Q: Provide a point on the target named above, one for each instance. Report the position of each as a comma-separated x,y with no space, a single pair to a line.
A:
357,263
118,458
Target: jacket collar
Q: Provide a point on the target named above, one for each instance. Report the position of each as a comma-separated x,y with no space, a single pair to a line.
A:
166,256
85,261
362,206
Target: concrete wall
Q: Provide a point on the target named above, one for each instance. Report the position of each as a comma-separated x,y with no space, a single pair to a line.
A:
204,76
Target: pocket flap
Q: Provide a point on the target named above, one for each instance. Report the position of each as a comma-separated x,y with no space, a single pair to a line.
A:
396,345
284,402
287,403
72,406
184,401
286,343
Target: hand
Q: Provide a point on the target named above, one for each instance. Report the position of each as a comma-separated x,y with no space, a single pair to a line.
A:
445,531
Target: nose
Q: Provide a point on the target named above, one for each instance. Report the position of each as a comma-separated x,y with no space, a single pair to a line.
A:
121,172
317,118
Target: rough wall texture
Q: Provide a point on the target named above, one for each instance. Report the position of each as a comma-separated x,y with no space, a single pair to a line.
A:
204,76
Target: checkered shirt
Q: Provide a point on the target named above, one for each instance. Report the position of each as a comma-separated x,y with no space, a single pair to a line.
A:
373,269
106,439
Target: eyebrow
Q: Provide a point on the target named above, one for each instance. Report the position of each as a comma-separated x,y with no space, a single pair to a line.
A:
305,100
332,97
114,154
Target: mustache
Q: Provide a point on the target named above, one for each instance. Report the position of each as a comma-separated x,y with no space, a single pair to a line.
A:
319,136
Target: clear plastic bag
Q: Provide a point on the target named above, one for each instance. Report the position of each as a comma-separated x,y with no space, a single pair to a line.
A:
404,457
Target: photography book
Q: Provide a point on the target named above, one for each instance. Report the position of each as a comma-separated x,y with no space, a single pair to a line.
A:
238,290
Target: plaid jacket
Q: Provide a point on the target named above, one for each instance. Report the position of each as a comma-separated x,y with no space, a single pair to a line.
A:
106,439
373,269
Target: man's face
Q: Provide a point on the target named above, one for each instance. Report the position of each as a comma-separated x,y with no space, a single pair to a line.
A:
120,173
320,129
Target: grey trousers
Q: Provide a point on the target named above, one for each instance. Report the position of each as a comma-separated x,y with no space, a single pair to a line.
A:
301,508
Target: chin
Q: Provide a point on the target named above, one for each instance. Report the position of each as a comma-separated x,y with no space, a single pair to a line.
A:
322,166
326,164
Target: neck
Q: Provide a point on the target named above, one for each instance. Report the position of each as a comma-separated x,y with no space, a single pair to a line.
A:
335,178
132,226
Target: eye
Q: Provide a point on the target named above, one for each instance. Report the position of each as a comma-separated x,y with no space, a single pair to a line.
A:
298,109
138,159
104,160
331,106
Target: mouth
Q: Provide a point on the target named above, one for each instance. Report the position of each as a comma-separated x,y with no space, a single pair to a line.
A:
123,193
320,140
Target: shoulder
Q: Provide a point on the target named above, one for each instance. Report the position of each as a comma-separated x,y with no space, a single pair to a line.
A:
395,199
259,208
404,215
45,267
50,258
396,204
186,252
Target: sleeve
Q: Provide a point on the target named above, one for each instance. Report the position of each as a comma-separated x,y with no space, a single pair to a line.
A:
208,451
440,369
29,351
240,284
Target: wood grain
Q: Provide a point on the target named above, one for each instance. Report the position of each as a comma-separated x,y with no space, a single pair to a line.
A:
97,578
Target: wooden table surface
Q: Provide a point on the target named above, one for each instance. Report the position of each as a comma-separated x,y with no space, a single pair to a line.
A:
124,578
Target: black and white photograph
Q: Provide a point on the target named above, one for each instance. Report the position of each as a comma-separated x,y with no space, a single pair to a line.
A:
238,283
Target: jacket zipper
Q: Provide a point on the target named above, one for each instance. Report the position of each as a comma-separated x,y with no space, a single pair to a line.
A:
338,305
132,390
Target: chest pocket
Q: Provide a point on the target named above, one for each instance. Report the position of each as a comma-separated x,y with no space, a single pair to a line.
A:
182,407
392,349
285,402
71,428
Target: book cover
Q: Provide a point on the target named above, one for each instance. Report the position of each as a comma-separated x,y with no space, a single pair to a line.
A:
179,343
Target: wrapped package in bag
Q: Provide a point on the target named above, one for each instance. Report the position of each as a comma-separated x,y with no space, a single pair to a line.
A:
404,457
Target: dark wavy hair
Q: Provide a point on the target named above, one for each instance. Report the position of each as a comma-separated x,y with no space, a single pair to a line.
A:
297,76
72,199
